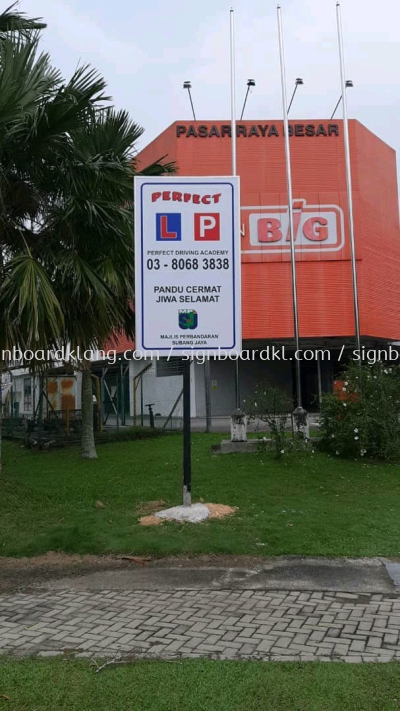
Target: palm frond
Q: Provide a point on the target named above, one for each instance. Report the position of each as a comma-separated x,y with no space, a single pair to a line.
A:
12,21
156,168
108,134
67,110
29,305
25,76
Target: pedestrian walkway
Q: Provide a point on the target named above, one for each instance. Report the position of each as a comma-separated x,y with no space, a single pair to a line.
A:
228,624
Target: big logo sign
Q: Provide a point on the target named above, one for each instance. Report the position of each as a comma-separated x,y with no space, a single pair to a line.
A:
316,228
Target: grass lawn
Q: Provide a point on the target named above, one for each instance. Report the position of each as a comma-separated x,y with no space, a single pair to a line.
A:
49,685
303,504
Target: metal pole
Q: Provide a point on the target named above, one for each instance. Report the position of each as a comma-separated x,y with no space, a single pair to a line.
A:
291,100
33,395
348,178
187,470
40,414
134,402
102,396
336,108
244,103
122,396
1,421
319,377
99,405
117,396
233,90
141,400
233,143
207,391
191,103
290,205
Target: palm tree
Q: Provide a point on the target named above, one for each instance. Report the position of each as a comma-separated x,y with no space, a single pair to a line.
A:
66,182
25,292
95,279
37,113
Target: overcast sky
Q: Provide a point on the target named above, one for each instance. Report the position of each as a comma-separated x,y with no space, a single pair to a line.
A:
146,50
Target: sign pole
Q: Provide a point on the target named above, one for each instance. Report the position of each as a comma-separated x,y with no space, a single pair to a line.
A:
207,389
187,454
187,278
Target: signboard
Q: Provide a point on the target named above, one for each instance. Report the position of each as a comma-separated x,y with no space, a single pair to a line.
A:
306,130
316,228
187,265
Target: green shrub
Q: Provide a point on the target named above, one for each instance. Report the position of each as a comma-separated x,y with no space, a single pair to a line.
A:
364,418
128,433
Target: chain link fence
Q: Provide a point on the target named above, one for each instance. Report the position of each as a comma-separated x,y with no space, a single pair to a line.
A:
158,395
146,394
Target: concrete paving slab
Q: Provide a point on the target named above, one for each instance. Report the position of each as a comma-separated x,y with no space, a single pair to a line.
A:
393,570
287,573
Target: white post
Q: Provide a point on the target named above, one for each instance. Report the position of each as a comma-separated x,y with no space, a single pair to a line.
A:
348,177
290,205
233,144
233,90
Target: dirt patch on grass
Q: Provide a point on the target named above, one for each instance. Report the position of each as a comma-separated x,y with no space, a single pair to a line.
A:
150,520
148,508
50,559
220,510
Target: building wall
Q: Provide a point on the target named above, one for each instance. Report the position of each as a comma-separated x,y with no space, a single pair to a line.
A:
63,393
376,204
252,375
324,278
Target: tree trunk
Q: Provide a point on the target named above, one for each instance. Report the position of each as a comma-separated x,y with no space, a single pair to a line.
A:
88,450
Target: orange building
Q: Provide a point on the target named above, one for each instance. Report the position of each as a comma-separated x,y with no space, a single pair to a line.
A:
324,281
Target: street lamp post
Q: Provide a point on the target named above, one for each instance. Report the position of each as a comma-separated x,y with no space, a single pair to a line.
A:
187,85
348,85
250,84
298,82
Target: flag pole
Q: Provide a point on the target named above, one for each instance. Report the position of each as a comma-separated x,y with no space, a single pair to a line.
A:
290,206
233,145
348,178
233,90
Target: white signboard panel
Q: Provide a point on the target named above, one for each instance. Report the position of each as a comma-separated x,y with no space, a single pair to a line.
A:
187,265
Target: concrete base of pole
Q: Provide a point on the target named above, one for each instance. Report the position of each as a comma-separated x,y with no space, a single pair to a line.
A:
229,447
187,497
192,514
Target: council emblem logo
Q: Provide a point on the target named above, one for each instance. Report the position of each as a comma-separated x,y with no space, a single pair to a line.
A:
188,320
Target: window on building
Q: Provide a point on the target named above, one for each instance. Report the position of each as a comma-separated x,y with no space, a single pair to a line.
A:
27,394
169,367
